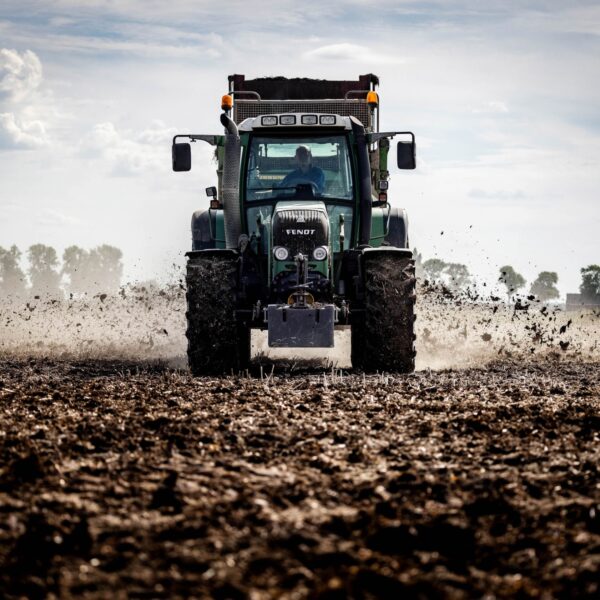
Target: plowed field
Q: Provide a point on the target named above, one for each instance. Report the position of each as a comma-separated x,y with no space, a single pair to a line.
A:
126,477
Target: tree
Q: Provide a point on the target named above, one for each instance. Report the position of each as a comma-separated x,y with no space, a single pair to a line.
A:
511,279
544,287
92,271
433,268
43,273
108,267
590,283
458,275
12,278
75,267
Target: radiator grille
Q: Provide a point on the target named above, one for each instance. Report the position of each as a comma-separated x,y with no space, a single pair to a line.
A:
300,230
244,109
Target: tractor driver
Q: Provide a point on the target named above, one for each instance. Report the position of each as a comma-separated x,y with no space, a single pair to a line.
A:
305,173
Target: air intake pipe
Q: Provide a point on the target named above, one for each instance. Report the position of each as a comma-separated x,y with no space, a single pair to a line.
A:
364,182
231,181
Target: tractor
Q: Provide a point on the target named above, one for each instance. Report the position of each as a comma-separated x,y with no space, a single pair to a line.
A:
299,238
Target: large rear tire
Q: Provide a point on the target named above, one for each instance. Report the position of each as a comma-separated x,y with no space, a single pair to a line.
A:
383,336
217,344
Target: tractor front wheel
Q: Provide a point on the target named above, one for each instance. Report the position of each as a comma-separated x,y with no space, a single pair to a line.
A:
383,336
217,344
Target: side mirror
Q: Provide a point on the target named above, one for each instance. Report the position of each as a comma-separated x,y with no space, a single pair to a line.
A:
406,155
182,157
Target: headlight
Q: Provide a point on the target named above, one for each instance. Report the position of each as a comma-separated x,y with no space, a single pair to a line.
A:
327,119
287,120
320,253
268,121
280,253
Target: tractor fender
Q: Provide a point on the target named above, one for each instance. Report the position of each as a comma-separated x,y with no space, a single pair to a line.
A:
214,253
403,252
203,228
397,228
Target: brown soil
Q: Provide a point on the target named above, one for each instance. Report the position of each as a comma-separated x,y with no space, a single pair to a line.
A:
128,479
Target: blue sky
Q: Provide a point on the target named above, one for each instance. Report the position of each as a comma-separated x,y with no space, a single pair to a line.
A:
503,97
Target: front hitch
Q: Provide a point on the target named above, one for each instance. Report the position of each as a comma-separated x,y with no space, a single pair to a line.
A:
302,323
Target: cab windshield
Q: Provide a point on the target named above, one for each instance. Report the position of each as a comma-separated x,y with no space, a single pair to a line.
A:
299,168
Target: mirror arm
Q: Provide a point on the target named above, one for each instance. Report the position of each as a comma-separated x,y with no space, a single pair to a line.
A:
374,137
194,137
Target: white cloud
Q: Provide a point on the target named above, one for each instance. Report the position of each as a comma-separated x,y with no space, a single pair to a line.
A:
348,52
46,217
22,122
61,21
491,107
129,153
583,19
157,133
18,133
283,12
338,52
148,46
20,74
104,135
53,218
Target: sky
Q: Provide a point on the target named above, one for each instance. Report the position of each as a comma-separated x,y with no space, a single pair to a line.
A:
503,97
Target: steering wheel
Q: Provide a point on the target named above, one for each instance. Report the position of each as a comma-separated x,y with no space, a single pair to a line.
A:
303,185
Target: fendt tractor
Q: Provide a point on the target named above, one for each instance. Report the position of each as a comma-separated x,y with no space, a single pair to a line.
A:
299,238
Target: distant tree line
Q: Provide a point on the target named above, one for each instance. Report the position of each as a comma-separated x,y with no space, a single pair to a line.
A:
97,270
456,276
544,286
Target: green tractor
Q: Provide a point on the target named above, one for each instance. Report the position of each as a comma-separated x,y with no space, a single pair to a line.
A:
300,239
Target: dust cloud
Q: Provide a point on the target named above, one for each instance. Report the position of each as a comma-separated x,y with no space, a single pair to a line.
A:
139,322
148,323
465,330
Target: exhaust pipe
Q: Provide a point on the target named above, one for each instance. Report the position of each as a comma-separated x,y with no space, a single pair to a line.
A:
231,181
364,176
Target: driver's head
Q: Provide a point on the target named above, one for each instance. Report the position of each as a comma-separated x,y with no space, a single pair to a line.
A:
303,158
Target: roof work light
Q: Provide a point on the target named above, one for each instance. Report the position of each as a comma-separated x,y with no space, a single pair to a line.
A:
287,119
309,119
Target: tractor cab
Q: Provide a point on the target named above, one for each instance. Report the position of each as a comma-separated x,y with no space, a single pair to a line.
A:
299,198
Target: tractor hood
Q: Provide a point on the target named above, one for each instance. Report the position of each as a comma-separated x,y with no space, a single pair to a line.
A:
300,226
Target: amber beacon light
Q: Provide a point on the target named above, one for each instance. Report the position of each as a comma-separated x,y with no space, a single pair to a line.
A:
372,99
226,102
